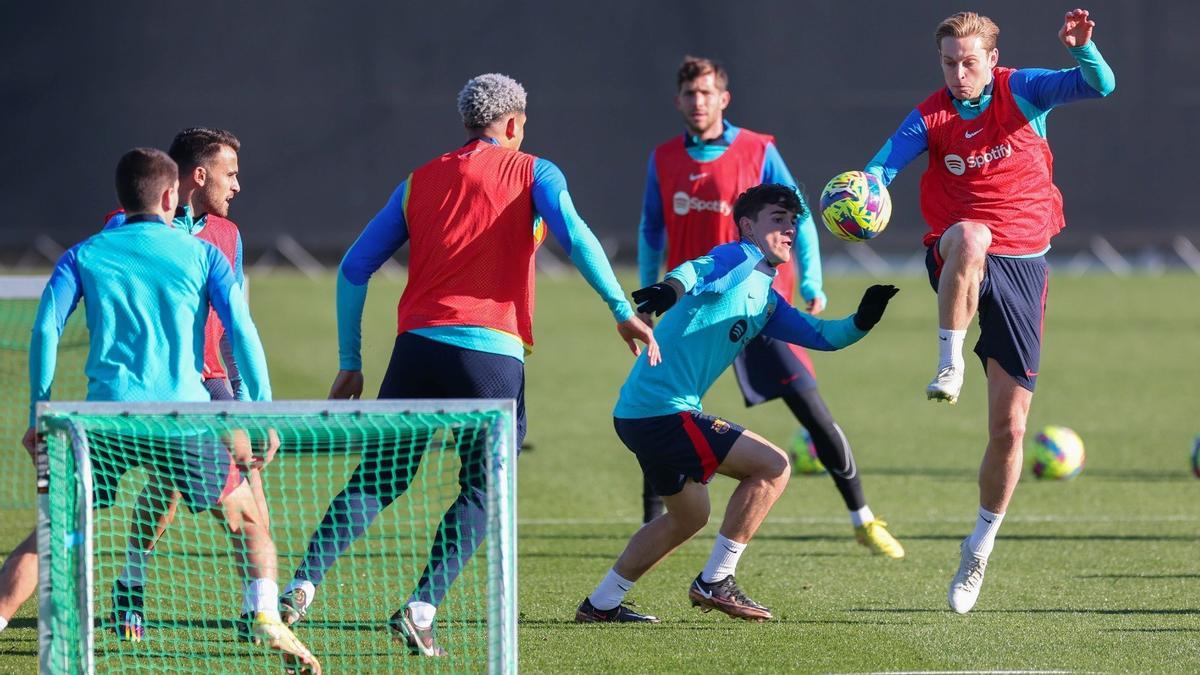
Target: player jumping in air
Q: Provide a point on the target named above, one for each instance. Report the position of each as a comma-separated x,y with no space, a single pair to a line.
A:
693,178
725,300
208,182
140,355
473,218
992,209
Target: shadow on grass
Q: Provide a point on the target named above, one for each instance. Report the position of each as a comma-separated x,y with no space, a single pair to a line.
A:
1081,610
25,622
1149,630
1007,537
1136,575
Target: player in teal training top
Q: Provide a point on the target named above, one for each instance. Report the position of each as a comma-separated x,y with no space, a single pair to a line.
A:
146,289
724,301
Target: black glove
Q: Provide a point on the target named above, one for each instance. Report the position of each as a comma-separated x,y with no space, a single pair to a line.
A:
870,308
656,298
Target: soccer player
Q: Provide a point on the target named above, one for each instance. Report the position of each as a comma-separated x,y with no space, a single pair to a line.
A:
208,182
692,180
992,208
474,217
726,299
141,355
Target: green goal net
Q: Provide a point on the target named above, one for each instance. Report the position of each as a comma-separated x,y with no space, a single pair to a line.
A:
420,458
19,297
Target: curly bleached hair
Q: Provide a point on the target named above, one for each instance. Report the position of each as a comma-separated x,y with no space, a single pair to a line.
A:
486,98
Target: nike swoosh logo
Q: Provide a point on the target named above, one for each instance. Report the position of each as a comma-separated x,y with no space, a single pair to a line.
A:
985,520
972,134
943,339
729,549
707,594
1030,373
696,176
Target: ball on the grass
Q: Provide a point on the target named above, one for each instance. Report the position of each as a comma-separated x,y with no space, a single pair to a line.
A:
1057,453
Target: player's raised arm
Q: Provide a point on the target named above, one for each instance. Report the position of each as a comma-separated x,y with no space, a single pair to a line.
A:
906,144
1039,90
380,239
554,205
229,301
59,299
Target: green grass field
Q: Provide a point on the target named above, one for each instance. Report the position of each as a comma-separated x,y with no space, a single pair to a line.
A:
1098,574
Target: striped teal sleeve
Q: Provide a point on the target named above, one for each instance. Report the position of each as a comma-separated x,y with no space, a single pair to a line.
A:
791,325
380,239
229,301
723,268
59,299
554,205
906,144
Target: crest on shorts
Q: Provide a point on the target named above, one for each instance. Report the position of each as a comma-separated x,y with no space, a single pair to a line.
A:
720,426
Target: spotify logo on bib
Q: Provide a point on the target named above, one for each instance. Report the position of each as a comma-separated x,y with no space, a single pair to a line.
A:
955,165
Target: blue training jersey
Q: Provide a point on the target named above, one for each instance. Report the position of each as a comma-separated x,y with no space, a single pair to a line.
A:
388,231
146,289
728,301
652,232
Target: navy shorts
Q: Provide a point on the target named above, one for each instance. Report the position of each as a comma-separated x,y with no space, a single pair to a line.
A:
425,368
1012,311
768,369
673,448
198,466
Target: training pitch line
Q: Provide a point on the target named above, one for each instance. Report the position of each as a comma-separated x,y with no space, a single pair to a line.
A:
830,520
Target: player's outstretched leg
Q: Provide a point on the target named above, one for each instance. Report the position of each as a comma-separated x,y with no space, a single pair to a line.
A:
834,452
963,253
763,472
152,513
461,531
687,513
255,552
382,476
1008,408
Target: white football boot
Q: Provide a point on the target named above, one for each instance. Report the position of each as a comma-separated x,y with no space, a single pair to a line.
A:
946,385
964,589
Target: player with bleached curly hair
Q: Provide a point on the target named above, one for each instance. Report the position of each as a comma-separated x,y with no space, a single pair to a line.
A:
474,217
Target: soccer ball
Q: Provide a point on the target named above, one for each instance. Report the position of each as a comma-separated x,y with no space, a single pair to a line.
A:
1196,457
855,206
804,454
1058,454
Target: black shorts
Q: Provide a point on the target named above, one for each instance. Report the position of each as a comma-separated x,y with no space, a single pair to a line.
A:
674,448
425,368
198,466
1012,311
768,369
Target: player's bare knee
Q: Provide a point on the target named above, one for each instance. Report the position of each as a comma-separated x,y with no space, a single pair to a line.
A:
690,521
1008,433
967,243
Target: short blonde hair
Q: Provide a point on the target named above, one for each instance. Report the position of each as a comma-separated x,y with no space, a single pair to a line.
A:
966,24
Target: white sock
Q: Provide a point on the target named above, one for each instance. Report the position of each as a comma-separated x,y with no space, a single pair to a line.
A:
611,591
723,561
3,623
310,591
422,613
983,538
134,572
262,595
247,599
862,516
950,346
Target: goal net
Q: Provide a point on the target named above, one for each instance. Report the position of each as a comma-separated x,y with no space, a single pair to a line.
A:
99,457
